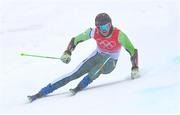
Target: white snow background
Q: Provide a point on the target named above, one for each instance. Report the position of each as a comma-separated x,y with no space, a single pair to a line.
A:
45,27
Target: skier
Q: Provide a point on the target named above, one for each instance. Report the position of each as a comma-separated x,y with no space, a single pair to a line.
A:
103,60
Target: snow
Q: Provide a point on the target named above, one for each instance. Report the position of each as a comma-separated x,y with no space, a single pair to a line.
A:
45,27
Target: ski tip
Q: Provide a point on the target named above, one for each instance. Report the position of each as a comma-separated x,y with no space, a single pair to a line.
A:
31,99
73,92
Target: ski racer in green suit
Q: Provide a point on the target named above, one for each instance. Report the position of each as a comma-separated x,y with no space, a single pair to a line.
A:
103,60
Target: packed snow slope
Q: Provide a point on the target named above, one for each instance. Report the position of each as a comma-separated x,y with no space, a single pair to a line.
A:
45,27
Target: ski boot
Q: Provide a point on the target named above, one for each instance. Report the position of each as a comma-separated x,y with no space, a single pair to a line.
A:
83,83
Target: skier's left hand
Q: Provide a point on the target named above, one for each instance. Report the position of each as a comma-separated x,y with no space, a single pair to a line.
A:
135,72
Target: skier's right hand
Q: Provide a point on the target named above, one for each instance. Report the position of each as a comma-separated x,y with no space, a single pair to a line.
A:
66,57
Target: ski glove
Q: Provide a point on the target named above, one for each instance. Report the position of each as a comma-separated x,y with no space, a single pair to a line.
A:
135,72
66,57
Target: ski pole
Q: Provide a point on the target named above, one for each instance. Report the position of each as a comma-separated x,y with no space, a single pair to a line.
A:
39,56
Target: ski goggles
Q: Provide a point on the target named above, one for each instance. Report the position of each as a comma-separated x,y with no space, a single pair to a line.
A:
105,28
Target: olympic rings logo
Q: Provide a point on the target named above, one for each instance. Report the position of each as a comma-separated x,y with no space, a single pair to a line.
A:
106,44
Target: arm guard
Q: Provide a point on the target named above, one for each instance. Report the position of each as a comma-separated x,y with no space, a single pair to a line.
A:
76,40
70,47
134,59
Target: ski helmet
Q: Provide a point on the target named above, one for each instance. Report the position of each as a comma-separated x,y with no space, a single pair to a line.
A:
104,24
102,19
